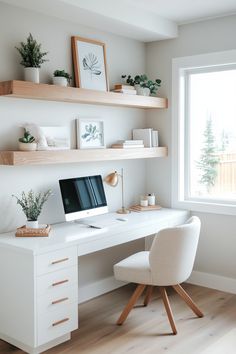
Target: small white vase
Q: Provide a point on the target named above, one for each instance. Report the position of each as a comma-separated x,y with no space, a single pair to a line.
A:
27,146
60,81
31,74
142,91
32,224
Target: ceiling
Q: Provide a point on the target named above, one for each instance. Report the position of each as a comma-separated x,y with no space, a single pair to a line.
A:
144,20
186,11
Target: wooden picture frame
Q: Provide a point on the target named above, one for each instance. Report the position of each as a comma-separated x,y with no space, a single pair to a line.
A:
90,133
90,69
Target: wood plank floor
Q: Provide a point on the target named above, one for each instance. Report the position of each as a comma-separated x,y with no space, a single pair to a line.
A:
147,329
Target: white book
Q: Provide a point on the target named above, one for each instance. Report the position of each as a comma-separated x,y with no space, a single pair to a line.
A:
131,142
124,146
143,134
128,92
155,138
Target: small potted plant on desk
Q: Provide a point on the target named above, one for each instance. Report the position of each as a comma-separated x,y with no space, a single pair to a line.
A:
27,142
32,58
32,204
61,78
142,84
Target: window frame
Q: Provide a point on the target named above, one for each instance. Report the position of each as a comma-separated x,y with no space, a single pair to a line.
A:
181,69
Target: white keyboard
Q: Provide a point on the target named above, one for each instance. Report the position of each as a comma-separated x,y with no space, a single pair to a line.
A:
105,223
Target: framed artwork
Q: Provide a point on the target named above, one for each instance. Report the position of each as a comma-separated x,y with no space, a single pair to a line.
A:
89,59
90,134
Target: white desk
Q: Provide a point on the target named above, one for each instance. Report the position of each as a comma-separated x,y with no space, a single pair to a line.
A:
39,277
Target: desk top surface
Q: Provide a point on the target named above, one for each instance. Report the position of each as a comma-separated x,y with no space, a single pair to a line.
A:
67,234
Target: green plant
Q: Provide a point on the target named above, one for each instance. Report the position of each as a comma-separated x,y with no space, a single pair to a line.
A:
27,138
62,73
31,54
208,159
32,203
143,81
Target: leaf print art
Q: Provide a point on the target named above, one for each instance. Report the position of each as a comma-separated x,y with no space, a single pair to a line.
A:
90,63
91,133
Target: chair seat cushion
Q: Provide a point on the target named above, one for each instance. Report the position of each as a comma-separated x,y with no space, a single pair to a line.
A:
134,269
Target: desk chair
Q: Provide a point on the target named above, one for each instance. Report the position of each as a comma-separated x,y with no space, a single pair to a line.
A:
168,263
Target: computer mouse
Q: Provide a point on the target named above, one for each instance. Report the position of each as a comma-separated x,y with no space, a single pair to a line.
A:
122,219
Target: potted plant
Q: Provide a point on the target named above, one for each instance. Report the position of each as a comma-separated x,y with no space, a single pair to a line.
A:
142,84
32,204
61,78
32,58
27,142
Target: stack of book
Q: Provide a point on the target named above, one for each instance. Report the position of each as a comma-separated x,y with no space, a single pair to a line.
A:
128,144
130,90
148,135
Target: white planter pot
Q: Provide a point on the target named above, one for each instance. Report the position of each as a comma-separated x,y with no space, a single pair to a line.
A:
60,81
32,224
27,146
31,74
142,91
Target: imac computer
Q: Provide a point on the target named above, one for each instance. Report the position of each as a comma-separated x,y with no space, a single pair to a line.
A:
83,197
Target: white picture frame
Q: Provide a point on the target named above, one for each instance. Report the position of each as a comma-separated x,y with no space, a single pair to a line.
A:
90,133
89,57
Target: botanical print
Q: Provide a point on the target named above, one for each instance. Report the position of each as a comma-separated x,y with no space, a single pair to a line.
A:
92,132
92,71
90,62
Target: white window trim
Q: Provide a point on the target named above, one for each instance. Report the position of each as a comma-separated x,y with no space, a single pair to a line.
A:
179,67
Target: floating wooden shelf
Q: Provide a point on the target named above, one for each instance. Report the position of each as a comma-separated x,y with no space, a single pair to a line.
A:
14,158
29,90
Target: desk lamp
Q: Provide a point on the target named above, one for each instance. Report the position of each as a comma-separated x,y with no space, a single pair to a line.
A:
112,180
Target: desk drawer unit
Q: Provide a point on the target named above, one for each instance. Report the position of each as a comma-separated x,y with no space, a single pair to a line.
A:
57,294
53,261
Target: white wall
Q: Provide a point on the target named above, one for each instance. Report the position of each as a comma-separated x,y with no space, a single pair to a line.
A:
216,253
123,55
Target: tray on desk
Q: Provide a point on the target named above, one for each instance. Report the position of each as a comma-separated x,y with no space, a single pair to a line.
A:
144,208
24,231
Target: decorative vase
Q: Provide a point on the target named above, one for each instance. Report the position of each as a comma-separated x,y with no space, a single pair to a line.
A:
142,91
31,74
60,81
27,146
32,224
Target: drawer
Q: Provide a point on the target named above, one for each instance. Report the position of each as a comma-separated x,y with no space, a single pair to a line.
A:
53,261
56,324
58,299
50,283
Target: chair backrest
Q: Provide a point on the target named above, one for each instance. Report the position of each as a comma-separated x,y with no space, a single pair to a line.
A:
173,252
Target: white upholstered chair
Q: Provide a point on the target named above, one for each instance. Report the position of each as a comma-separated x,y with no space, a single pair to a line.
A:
168,263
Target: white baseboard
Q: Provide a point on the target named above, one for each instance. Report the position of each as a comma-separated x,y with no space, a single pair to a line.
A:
213,281
97,288
208,280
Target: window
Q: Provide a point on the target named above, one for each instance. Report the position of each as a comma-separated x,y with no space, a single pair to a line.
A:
204,132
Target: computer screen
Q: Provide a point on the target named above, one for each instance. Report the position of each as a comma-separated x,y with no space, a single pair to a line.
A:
83,197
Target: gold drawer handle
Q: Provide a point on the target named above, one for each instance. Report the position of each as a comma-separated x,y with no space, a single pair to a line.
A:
59,322
59,300
60,282
60,260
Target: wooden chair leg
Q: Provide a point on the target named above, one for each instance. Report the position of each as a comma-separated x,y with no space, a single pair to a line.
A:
148,295
168,308
188,300
136,294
